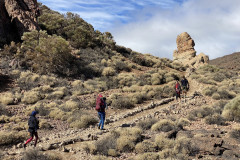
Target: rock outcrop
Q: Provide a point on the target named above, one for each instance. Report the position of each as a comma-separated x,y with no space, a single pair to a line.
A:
17,17
186,53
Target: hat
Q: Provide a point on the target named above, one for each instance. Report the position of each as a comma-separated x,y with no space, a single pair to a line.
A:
34,113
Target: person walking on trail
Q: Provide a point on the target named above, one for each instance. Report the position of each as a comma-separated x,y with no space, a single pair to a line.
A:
101,105
33,124
178,90
185,87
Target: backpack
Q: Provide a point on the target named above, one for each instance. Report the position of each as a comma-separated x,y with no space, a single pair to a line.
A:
99,103
177,87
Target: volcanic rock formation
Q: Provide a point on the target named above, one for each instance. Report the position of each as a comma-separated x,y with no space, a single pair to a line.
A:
186,53
17,17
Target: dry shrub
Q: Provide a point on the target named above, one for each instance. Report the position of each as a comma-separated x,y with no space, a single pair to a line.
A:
145,146
84,122
11,138
216,96
126,143
128,139
126,79
7,98
208,91
205,80
31,97
200,112
183,122
107,144
163,143
235,133
215,119
89,148
3,110
148,156
112,152
108,71
99,157
56,95
183,147
37,155
137,98
164,125
44,124
122,103
232,110
95,85
57,114
4,119
72,105
157,79
147,123
225,94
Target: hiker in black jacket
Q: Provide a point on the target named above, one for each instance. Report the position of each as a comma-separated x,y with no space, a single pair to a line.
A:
185,87
33,124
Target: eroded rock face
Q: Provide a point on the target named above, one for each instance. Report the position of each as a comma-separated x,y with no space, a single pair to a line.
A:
186,53
17,17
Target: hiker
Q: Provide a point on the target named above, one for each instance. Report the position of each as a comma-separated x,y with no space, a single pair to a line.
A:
100,107
33,124
178,90
185,87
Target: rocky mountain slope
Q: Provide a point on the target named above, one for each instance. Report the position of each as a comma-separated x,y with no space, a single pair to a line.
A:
59,70
230,61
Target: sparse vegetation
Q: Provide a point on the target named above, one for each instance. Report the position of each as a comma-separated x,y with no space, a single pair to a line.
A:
232,110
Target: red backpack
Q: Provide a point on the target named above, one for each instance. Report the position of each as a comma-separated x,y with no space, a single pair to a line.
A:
177,87
99,102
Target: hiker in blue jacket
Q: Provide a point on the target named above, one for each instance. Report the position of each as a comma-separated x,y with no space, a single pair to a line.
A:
33,124
101,112
185,87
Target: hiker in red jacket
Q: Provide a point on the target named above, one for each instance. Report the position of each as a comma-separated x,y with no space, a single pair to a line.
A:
178,90
100,107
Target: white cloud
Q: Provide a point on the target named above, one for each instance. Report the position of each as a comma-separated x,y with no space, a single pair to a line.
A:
214,25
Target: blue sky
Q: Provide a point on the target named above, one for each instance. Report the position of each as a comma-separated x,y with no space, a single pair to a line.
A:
151,26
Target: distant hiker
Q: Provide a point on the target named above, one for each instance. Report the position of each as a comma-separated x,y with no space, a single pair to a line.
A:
178,90
100,107
185,87
33,124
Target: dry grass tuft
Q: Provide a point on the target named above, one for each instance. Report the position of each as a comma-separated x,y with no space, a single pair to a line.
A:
163,125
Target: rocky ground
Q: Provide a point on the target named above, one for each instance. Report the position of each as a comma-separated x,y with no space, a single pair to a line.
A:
212,140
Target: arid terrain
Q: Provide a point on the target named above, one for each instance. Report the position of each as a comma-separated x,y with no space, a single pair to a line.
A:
58,64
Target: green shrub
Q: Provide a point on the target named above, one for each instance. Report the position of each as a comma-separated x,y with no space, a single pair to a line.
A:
3,110
46,54
232,110
163,125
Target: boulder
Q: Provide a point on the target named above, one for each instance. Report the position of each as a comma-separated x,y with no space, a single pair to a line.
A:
17,17
186,53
